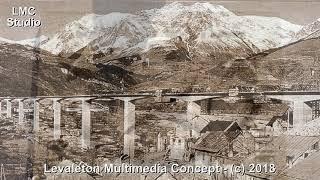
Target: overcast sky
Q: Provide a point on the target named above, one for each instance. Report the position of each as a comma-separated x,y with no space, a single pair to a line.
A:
56,13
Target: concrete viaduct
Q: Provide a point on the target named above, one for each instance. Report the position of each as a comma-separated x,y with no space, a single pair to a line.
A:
302,112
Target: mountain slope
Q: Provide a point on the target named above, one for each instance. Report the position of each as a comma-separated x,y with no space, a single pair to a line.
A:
24,71
207,29
309,31
295,67
79,33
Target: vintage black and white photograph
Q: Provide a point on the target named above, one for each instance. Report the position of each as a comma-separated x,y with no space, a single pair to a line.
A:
159,90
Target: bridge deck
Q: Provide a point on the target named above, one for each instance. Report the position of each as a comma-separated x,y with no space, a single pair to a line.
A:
115,95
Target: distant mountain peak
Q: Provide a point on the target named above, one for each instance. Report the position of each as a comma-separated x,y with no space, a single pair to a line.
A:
198,6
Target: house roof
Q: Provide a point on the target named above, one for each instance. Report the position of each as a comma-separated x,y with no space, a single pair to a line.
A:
282,109
276,152
216,141
306,169
166,176
220,126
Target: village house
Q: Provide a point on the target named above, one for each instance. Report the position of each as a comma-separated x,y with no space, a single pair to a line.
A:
179,143
266,129
216,142
177,147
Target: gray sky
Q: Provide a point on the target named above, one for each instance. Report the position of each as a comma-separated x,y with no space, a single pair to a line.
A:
56,13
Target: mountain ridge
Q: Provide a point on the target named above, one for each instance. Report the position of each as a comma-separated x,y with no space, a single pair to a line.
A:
201,25
308,31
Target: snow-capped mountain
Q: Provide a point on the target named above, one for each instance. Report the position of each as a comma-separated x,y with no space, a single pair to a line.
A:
33,42
205,27
309,31
80,33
